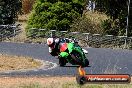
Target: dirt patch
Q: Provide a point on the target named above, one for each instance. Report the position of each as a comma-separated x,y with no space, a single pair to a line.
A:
8,62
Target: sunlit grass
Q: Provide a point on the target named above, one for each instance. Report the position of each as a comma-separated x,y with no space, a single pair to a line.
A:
75,85
9,62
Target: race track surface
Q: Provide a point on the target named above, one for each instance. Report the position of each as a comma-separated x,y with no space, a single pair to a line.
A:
101,60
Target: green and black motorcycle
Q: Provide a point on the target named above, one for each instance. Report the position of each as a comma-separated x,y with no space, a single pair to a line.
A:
72,53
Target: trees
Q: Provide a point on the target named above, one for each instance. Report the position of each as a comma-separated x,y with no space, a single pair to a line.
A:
54,14
113,8
117,10
8,11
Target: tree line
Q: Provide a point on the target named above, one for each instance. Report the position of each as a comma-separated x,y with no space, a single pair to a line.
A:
60,14
54,15
117,10
9,10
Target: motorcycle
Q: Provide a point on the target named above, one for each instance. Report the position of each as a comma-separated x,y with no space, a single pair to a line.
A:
72,53
73,40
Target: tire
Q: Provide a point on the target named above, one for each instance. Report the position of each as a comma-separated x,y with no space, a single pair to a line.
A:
78,60
62,62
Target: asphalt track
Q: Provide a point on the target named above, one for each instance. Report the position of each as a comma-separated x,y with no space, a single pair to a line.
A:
101,60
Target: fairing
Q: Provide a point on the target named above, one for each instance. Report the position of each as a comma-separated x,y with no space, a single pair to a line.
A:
63,47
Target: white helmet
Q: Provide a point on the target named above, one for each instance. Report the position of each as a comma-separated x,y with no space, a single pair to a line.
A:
50,41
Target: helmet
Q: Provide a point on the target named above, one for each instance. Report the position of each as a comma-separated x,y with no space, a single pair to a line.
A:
50,42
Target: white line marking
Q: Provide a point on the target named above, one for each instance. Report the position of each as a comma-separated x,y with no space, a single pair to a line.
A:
52,67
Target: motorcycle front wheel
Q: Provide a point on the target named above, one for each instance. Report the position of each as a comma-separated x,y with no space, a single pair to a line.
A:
79,60
76,58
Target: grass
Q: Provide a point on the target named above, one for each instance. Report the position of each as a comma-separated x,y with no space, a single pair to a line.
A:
74,85
52,82
31,85
96,17
8,62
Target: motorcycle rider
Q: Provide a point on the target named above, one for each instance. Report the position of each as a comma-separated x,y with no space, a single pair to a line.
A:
54,44
55,50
